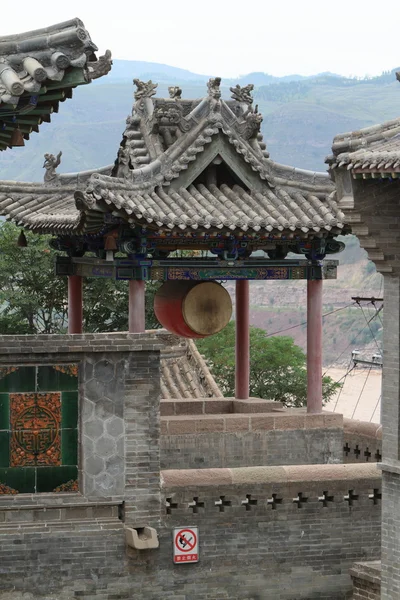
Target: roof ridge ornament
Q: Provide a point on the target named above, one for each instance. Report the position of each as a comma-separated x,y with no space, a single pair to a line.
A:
242,93
144,89
51,163
213,86
100,67
175,92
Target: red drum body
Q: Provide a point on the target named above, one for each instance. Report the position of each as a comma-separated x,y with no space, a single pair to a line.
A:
193,309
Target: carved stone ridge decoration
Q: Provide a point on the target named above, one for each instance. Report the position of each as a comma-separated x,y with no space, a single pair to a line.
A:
213,86
100,67
242,94
175,92
144,89
250,128
169,114
51,163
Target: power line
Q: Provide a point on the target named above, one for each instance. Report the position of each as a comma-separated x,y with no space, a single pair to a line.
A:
349,370
379,399
305,322
361,393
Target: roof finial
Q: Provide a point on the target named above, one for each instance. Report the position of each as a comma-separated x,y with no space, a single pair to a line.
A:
51,163
242,94
213,86
175,92
144,90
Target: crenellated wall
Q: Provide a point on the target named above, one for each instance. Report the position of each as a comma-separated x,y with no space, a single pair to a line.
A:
282,533
278,532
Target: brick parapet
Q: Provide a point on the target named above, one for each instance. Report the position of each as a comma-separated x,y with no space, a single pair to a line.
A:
206,423
364,474
366,577
55,347
362,441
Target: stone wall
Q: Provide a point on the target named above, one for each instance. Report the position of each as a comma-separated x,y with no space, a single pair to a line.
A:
266,533
287,533
366,578
239,440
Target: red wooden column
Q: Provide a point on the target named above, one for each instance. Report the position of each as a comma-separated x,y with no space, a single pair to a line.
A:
314,346
242,374
75,304
136,306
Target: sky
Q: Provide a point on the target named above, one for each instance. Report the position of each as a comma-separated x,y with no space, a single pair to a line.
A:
228,39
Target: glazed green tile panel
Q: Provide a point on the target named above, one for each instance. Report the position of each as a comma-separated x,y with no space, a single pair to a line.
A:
69,447
4,449
4,412
48,478
51,380
69,410
21,479
22,380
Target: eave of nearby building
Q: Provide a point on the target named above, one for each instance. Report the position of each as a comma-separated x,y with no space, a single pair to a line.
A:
38,70
365,166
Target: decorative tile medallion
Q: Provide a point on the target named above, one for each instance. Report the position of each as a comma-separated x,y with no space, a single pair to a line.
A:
35,421
38,429
4,371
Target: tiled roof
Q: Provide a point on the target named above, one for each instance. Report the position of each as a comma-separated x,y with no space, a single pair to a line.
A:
39,69
184,372
374,148
222,207
183,165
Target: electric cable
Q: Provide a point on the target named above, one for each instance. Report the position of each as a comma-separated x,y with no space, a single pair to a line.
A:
379,399
349,370
305,322
363,387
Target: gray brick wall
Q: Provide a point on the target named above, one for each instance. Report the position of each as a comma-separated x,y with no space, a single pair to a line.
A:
366,579
249,548
241,449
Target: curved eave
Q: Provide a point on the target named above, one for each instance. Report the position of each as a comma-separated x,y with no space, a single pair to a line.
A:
32,110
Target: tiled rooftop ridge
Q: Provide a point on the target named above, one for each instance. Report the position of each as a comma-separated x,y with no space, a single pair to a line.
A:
167,145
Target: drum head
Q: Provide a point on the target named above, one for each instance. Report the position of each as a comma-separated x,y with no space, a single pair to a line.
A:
207,308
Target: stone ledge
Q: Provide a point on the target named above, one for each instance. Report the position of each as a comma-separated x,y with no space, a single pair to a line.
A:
14,346
363,428
368,571
225,423
350,473
213,405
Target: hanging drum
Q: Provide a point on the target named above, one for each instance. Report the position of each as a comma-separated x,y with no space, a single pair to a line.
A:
193,309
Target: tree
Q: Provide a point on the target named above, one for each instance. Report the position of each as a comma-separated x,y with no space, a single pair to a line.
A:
34,300
277,366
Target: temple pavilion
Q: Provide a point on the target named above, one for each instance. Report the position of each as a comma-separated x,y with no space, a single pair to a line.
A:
189,175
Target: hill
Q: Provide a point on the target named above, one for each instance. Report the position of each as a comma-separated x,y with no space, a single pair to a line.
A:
301,116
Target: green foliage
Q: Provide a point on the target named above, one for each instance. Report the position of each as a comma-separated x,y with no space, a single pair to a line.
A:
277,366
34,300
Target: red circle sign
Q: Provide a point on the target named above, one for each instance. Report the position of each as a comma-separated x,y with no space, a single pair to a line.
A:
185,540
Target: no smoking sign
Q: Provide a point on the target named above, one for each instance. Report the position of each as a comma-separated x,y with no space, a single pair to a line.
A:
186,545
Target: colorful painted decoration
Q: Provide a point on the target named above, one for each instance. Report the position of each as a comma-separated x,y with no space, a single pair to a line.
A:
38,429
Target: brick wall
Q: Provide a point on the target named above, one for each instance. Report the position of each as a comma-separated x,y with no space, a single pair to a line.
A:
251,448
362,441
282,533
366,579
288,533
